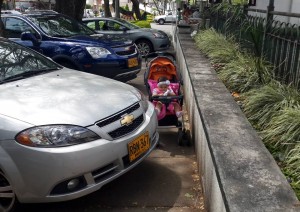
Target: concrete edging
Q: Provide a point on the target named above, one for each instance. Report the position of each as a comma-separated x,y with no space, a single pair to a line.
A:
238,173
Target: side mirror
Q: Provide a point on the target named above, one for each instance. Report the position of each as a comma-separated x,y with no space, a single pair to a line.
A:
31,37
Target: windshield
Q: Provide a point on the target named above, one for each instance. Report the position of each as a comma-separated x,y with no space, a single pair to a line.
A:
60,26
127,24
16,60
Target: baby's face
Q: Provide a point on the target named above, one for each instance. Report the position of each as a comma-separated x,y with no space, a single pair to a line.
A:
163,88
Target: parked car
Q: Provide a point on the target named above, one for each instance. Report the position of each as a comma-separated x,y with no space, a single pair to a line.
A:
74,45
64,135
147,40
170,17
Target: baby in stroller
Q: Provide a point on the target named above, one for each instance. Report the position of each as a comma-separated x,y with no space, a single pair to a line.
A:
163,82
164,89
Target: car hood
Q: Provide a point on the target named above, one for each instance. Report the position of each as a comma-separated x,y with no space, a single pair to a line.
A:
65,97
109,40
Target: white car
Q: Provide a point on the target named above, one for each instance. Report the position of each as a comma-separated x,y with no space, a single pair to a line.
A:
168,18
65,133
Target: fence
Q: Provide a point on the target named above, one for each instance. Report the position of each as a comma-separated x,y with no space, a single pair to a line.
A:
275,41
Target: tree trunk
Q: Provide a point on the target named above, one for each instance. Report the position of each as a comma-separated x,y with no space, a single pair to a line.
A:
136,9
79,9
66,7
107,12
72,8
1,23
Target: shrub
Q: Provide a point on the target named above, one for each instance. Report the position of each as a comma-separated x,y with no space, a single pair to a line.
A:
218,48
245,72
262,104
142,24
284,128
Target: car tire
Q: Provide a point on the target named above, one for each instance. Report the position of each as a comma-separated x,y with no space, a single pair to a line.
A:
161,21
8,199
144,47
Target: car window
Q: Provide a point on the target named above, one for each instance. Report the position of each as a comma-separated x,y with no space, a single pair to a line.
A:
60,26
102,25
112,25
128,24
14,27
15,60
91,24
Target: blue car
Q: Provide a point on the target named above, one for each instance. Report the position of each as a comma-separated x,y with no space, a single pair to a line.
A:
73,45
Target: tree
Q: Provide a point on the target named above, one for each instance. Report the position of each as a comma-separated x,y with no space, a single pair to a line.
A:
72,8
136,9
1,23
107,9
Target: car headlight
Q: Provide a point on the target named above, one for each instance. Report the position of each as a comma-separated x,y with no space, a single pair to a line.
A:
55,135
143,99
98,52
158,35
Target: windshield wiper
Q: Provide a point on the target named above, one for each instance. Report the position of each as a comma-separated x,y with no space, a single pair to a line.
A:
27,74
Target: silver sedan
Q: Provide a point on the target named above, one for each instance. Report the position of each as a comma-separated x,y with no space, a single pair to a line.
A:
64,133
147,40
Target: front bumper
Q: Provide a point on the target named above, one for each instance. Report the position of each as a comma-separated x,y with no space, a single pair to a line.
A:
41,174
117,69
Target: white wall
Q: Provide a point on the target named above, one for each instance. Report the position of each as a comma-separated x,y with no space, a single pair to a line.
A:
292,6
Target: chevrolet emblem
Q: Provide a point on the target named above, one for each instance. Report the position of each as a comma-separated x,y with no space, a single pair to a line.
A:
127,120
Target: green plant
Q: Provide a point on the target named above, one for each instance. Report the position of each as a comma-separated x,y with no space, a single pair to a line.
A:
218,48
292,167
88,6
263,103
245,72
126,7
284,128
142,24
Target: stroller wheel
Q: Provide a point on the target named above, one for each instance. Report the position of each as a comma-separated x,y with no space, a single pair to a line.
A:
180,137
186,138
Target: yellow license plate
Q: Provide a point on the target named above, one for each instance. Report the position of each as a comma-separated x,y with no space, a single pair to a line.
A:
132,62
138,146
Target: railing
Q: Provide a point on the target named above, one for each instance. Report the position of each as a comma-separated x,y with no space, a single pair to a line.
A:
277,42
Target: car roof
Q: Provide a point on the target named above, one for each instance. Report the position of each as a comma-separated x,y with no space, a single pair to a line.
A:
41,12
100,18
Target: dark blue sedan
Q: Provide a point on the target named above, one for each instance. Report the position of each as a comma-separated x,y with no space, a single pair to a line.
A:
73,45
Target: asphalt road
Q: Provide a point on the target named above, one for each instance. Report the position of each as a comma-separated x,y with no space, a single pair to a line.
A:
167,180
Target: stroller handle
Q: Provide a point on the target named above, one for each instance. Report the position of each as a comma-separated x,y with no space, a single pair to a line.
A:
157,54
166,98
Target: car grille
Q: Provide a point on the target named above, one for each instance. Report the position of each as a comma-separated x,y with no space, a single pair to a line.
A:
127,129
126,51
120,131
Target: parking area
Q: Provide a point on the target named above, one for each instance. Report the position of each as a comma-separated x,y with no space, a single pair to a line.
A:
167,180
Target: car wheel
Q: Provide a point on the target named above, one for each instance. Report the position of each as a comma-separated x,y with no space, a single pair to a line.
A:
8,199
161,21
144,46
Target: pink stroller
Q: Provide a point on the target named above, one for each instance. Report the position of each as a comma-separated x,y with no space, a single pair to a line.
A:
163,64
